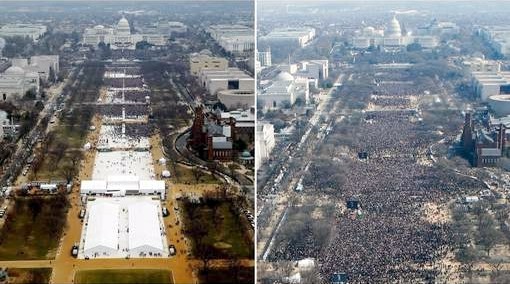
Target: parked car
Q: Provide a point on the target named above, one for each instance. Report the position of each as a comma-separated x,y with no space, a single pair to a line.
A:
165,212
82,214
172,250
74,250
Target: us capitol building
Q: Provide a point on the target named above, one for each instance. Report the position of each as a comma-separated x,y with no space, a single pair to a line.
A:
120,36
391,37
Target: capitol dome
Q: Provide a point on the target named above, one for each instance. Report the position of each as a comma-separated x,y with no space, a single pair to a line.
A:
394,28
368,31
123,26
15,70
284,76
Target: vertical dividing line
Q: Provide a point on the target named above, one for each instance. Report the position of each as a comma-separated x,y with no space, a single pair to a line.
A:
255,76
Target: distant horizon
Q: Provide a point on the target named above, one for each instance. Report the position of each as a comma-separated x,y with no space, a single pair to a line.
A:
373,1
110,1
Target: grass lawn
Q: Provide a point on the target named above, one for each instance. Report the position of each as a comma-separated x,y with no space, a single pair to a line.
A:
185,175
33,236
49,168
29,275
244,275
142,276
227,235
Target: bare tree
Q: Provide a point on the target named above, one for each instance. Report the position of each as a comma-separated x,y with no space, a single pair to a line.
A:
489,238
69,171
205,254
496,266
234,265
197,173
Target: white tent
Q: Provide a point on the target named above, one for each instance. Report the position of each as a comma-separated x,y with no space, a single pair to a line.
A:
144,229
87,146
162,161
48,186
306,264
102,234
122,185
93,186
152,187
165,173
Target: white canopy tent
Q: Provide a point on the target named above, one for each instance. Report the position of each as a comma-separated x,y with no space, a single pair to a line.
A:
144,229
93,186
102,230
123,185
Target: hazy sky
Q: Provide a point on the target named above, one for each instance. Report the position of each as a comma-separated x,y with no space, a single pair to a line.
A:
127,1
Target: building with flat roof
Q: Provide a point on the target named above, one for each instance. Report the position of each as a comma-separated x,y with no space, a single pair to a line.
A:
477,64
44,65
205,60
170,27
228,79
33,31
264,143
313,69
264,57
236,39
489,84
236,99
16,81
498,37
296,36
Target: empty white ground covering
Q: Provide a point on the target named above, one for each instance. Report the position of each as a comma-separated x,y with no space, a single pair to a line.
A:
116,163
145,231
111,137
101,237
139,231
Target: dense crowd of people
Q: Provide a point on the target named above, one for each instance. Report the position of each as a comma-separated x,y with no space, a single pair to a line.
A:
126,69
116,110
124,82
387,240
131,95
